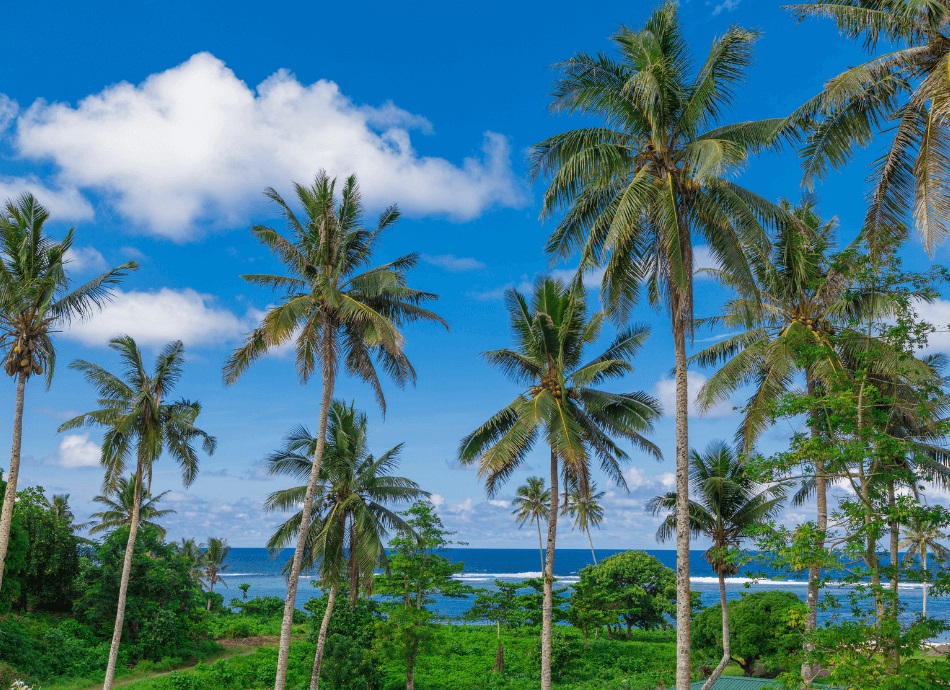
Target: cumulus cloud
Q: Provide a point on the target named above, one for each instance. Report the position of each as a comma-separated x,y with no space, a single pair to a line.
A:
195,142
452,263
63,202
665,392
75,451
937,314
86,260
155,318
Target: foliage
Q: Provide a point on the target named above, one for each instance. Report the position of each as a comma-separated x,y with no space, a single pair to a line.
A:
119,504
16,560
349,659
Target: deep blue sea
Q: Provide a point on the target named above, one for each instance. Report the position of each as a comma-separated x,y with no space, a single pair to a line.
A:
484,566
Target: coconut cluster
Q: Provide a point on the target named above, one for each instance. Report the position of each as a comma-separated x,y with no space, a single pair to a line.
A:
23,358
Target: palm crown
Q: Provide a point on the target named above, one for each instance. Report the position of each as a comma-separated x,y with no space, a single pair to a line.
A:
119,506
531,502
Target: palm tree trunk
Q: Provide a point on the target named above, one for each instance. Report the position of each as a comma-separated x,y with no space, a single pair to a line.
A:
547,607
894,546
683,595
306,513
923,563
9,496
726,646
540,547
354,575
124,583
591,540
821,524
322,639
500,652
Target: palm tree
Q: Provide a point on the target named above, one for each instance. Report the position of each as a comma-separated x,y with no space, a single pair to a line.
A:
532,505
352,515
213,559
585,508
729,504
640,189
191,551
120,508
140,424
36,299
560,405
902,92
922,536
332,307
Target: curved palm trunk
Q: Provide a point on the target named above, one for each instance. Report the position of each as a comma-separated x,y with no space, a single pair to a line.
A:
809,672
322,639
547,607
540,547
306,512
124,583
353,572
591,541
9,496
683,595
726,646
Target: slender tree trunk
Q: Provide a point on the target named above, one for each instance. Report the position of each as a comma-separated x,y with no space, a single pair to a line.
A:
894,547
540,547
500,652
683,595
591,541
322,639
923,562
306,513
9,496
547,607
726,646
809,672
353,572
411,668
124,583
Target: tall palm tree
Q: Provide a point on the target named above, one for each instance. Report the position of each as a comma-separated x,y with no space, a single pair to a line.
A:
213,562
585,508
120,508
532,504
36,299
920,537
642,188
729,504
353,508
561,406
332,307
903,92
140,425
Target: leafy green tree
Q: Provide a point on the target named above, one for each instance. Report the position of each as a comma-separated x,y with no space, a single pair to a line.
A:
12,589
730,504
120,508
584,506
532,504
191,551
500,606
244,586
140,424
213,563
632,589
923,534
331,306
654,175
767,632
350,653
418,571
561,405
36,299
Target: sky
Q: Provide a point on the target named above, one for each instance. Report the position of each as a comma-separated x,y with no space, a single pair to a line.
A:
154,127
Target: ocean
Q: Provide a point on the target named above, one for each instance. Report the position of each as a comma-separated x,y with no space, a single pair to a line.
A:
483,566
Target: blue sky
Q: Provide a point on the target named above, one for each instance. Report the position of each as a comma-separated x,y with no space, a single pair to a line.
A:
153,127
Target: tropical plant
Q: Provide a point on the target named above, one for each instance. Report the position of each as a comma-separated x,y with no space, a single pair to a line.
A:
36,299
584,506
213,562
901,92
119,510
532,504
244,586
331,307
352,514
561,405
922,535
658,173
192,552
140,425
729,504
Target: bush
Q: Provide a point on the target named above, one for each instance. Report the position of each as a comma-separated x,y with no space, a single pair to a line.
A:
349,657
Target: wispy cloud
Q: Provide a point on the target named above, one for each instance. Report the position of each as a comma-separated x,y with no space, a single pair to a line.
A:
455,264
724,6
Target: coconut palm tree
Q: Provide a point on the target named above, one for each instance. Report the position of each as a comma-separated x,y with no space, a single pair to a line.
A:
901,92
36,299
120,508
561,405
728,504
141,424
335,309
920,537
585,508
656,176
213,562
532,504
353,508
192,552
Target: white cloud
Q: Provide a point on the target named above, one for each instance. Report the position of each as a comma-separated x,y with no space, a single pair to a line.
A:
937,314
592,279
86,260
64,203
8,111
76,450
524,287
665,391
437,500
724,6
155,318
455,264
195,142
